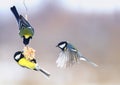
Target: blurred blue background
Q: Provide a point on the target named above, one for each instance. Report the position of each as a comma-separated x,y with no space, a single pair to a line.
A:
93,26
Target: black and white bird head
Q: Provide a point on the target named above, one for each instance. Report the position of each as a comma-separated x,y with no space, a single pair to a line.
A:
62,45
26,40
18,55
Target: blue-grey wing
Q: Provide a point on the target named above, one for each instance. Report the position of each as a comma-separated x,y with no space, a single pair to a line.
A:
75,56
23,23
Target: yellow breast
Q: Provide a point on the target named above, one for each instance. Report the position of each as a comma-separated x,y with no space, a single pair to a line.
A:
27,36
27,64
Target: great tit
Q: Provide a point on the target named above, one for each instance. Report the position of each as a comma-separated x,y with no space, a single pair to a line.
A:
70,55
26,30
32,64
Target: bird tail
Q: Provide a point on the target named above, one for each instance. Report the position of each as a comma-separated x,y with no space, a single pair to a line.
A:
87,60
45,73
15,12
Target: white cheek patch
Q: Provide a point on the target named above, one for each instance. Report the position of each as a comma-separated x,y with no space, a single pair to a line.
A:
62,46
17,57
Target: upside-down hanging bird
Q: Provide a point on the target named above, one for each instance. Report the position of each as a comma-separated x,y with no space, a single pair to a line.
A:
70,55
26,30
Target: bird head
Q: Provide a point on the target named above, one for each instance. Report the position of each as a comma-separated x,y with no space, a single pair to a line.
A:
62,45
18,55
26,40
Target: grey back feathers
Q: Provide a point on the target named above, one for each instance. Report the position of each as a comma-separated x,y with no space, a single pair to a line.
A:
23,23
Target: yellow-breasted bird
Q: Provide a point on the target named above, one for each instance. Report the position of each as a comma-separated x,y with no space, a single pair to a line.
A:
32,64
26,30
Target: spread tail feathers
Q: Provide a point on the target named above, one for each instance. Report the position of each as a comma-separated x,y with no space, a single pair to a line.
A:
45,73
87,60
15,12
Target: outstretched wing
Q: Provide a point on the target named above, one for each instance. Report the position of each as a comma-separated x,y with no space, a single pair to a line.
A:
76,55
62,59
